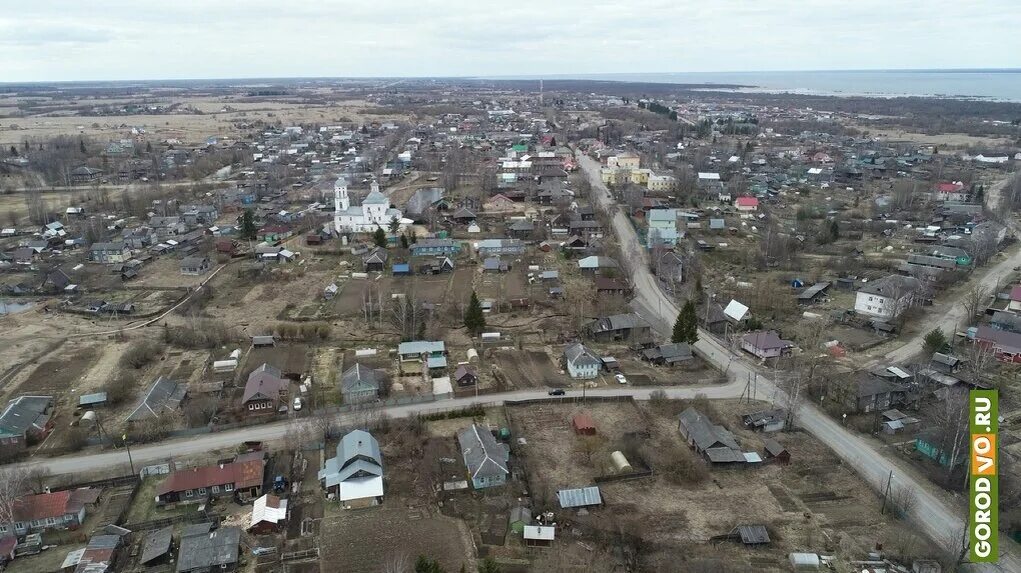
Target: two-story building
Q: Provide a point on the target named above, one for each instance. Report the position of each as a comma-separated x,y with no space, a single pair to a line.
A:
581,362
435,247
887,297
115,252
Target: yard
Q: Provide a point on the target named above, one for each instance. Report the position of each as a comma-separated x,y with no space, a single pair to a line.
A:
816,503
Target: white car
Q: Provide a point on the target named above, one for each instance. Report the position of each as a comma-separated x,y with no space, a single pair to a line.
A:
297,404
621,379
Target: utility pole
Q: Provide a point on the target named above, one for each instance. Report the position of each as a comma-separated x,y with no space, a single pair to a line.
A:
886,494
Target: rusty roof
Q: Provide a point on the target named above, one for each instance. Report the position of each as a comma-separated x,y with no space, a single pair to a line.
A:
242,474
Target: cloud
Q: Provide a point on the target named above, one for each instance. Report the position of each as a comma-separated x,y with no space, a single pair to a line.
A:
120,39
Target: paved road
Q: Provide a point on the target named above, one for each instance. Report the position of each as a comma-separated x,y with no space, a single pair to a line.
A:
940,521
203,443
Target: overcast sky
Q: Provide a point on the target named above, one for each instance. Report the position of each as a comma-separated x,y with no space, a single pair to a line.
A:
171,39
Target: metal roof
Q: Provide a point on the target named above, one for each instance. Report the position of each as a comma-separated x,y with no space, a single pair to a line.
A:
483,456
157,544
753,534
207,550
580,497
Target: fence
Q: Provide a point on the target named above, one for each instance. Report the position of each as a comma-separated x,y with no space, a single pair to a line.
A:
191,517
622,477
103,483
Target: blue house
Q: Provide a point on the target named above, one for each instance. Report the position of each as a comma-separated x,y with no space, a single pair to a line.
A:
400,269
663,227
435,247
485,458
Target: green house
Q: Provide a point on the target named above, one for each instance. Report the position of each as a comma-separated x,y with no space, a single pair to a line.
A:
929,443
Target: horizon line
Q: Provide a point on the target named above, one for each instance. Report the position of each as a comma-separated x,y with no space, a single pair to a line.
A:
555,75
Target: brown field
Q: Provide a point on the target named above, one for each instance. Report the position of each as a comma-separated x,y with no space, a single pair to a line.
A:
816,503
188,128
287,356
354,537
529,368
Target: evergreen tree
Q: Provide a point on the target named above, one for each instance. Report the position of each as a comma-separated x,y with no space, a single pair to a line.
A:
474,320
14,151
686,326
404,241
379,237
81,146
148,147
678,333
935,341
248,230
395,225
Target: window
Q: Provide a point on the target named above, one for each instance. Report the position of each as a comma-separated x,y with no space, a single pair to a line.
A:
202,491
188,493
3,529
228,487
215,489
251,406
51,521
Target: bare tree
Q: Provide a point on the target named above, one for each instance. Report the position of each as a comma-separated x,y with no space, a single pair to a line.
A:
979,360
13,484
397,563
951,419
974,301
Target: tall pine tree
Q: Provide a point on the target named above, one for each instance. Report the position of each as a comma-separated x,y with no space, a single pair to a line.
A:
686,326
474,320
379,237
248,230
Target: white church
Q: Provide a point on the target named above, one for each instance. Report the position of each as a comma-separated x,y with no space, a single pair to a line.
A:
374,212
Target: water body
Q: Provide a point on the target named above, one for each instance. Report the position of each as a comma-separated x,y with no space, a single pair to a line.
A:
998,85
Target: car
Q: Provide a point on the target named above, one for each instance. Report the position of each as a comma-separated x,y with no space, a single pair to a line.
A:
620,378
557,392
297,403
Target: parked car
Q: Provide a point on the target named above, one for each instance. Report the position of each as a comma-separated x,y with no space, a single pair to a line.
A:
297,403
621,379
557,392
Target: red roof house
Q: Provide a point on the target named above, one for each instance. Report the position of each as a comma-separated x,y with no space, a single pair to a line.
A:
747,203
57,510
242,478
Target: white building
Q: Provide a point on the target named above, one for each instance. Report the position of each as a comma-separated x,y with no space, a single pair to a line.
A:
373,213
887,297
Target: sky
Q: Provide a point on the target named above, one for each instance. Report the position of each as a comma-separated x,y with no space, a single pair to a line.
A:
70,40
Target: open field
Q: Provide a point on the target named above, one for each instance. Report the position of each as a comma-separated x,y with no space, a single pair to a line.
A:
188,128
352,537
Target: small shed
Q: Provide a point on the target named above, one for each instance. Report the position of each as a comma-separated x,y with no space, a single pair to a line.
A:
539,535
259,341
89,401
156,546
583,424
752,534
776,451
519,518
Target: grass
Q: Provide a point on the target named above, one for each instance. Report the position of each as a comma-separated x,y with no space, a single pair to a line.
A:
143,507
